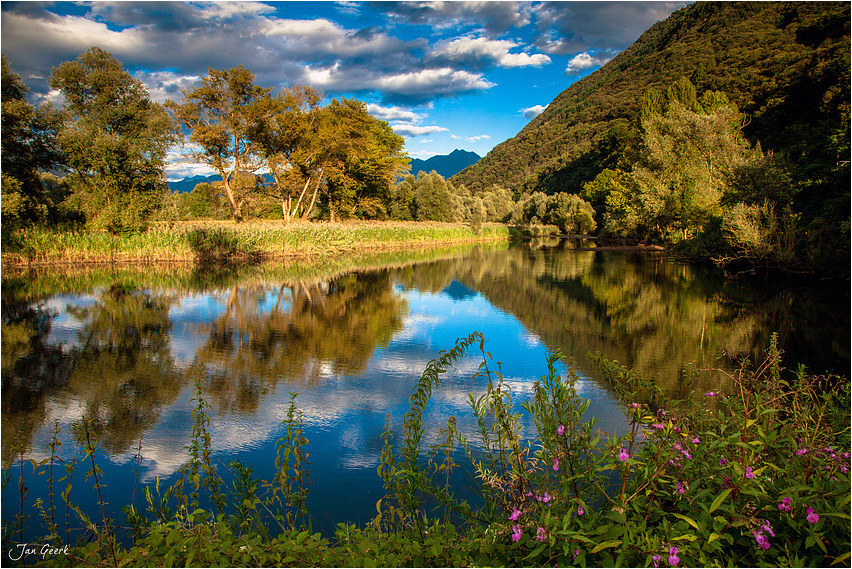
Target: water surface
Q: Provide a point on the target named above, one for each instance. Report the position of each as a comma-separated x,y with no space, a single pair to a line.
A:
351,337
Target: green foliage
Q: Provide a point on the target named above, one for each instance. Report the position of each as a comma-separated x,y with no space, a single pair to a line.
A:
115,140
28,145
784,65
568,212
220,113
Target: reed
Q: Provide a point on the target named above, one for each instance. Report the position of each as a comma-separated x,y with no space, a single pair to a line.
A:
182,241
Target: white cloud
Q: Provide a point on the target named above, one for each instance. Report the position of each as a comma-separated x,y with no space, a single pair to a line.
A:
426,141
164,85
394,113
478,138
413,130
436,81
471,49
583,61
532,112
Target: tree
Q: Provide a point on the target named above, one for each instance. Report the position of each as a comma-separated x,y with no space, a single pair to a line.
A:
434,199
28,146
115,140
360,179
284,125
221,113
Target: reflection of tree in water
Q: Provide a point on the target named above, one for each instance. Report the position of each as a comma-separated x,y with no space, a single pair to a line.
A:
30,370
294,332
121,372
659,317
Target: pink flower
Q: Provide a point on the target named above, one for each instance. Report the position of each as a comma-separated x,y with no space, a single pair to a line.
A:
622,456
580,511
785,504
546,498
801,450
749,473
767,528
540,534
673,558
762,541
812,516
680,488
555,464
696,441
560,430
516,513
710,394
516,533
656,559
658,426
576,553
722,462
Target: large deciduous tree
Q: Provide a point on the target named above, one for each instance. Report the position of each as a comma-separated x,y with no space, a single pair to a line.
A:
339,151
28,146
221,113
115,139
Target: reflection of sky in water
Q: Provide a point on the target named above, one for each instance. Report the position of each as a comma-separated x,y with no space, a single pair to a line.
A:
344,415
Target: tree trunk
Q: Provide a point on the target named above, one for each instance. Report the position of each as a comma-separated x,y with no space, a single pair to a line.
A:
314,196
235,207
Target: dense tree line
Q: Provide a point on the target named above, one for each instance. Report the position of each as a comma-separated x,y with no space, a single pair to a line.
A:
110,140
783,65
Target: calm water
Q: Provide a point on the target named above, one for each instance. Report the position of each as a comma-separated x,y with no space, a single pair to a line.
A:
126,348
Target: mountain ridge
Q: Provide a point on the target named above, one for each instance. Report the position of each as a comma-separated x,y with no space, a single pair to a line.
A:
447,165
783,63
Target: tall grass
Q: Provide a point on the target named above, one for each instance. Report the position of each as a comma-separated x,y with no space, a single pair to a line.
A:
262,239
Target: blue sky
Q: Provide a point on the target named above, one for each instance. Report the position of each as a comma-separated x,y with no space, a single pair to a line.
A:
445,75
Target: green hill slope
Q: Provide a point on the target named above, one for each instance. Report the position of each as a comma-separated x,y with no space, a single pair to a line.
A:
784,64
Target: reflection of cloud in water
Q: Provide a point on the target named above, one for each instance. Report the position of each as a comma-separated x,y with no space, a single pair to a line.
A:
530,340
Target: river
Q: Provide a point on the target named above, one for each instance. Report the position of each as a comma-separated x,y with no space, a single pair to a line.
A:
352,335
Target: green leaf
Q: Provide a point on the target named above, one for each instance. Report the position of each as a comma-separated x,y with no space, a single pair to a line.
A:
842,558
606,545
718,501
690,521
686,536
713,537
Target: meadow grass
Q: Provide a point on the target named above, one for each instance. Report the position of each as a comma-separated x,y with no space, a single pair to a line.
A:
179,241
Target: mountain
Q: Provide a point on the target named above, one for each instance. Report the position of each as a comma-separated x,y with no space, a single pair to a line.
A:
447,165
188,184
785,64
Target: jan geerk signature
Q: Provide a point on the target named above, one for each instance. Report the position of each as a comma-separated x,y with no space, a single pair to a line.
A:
19,551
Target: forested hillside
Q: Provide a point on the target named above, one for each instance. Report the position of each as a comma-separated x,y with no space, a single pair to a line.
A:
785,64
765,84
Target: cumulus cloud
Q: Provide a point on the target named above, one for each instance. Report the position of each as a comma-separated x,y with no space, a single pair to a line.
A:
583,61
477,138
495,18
394,113
442,81
414,130
165,85
532,112
473,51
566,27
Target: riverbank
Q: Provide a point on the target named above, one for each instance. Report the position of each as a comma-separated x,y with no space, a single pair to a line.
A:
215,240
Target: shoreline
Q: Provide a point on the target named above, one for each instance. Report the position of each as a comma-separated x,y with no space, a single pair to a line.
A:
245,243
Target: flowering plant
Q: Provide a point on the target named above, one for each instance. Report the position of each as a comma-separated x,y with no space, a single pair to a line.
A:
717,479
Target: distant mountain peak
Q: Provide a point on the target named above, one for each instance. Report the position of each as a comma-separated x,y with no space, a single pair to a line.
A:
447,165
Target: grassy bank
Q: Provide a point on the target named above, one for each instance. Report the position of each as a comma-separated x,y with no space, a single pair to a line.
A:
214,240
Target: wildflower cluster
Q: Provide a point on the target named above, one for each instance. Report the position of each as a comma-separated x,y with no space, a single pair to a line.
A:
711,478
